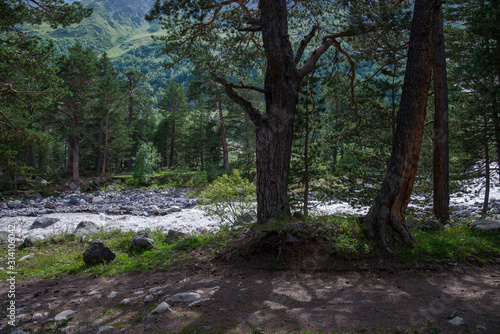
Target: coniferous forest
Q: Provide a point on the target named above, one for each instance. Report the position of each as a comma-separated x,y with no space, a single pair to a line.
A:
250,166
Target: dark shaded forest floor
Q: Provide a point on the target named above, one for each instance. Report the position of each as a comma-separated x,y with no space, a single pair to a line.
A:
245,297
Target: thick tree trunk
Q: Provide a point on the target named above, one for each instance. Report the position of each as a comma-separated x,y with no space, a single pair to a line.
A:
441,130
172,141
496,124
385,221
31,156
275,127
106,145
99,158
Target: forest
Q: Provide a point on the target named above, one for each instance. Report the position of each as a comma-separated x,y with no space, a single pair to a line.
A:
316,107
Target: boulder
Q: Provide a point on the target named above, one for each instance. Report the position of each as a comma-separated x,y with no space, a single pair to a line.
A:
173,236
185,297
487,225
142,240
175,208
73,186
43,222
97,199
74,200
31,239
4,237
98,253
431,225
49,205
86,228
14,204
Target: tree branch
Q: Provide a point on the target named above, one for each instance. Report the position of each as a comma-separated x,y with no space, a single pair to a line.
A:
247,106
304,43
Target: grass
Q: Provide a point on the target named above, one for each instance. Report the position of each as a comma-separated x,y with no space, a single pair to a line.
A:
62,254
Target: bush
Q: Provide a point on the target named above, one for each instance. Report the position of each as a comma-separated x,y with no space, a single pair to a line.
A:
146,161
228,197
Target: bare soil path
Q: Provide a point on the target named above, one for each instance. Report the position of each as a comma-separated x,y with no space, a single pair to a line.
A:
248,299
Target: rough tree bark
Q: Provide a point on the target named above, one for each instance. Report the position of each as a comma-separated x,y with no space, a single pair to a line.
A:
441,130
385,221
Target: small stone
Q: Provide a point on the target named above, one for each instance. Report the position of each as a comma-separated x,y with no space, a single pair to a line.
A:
97,199
63,315
140,292
37,317
103,329
456,321
481,327
142,240
148,299
175,208
49,205
73,186
125,301
86,228
93,292
185,297
199,301
162,308
97,321
26,257
112,295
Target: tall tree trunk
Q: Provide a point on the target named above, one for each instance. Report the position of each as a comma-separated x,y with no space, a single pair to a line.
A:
306,165
225,152
385,221
99,158
172,140
74,143
106,145
496,124
487,165
31,156
130,118
69,165
441,130
275,128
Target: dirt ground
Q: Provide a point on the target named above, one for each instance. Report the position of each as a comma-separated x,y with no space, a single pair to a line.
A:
243,298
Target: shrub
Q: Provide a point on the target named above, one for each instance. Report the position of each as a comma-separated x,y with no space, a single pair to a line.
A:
228,197
145,162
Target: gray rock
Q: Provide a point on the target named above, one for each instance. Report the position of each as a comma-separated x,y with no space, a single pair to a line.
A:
185,297
43,222
173,236
162,308
86,228
142,240
37,317
31,239
97,253
74,200
457,321
494,211
148,299
103,329
4,237
431,225
154,209
175,208
112,295
97,199
63,315
199,301
125,301
487,225
14,204
34,196
73,186
246,218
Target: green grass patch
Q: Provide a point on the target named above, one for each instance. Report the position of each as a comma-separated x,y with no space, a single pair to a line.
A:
62,255
457,242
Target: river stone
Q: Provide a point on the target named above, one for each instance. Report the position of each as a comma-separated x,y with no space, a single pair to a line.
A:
97,253
185,297
43,222
4,236
31,239
86,228
431,225
73,186
173,236
487,225
63,315
142,240
14,204
162,308
175,208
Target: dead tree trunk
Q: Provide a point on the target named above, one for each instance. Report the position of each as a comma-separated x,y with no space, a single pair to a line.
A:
441,130
385,221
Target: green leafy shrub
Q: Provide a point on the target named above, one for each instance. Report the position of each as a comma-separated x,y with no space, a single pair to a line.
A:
146,161
228,197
